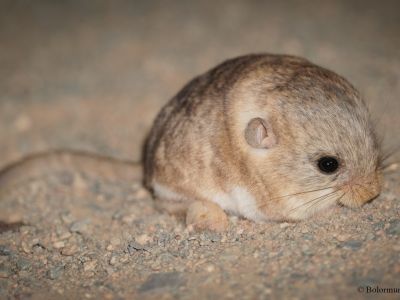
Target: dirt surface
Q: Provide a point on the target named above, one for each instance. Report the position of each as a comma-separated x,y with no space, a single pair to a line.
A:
92,76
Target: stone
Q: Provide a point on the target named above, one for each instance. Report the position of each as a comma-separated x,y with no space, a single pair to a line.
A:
394,228
70,250
168,280
5,271
23,264
79,226
4,251
55,272
352,244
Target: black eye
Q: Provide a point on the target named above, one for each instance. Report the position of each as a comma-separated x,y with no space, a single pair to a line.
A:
328,164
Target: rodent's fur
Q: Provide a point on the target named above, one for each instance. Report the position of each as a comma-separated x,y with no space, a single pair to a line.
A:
198,149
245,137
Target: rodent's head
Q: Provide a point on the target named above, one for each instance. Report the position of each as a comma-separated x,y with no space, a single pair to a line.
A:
311,139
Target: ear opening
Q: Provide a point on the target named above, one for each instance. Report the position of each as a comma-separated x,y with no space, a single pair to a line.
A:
259,134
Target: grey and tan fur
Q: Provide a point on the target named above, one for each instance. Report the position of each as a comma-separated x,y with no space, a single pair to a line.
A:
203,145
246,138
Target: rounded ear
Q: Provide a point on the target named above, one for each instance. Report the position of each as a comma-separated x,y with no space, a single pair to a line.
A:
259,134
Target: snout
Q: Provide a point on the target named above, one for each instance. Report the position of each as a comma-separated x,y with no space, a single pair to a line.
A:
358,192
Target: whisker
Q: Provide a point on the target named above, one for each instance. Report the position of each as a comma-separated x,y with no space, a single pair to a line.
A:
315,199
319,201
340,198
295,194
301,193
389,154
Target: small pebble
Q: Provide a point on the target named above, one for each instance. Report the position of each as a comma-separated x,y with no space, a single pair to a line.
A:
214,237
170,280
64,235
79,226
67,218
55,272
117,215
352,244
342,237
370,236
113,260
89,265
4,251
308,236
143,239
394,228
124,259
26,247
156,266
5,271
23,264
129,218
379,225
304,230
70,250
210,268
240,231
307,251
284,225
134,246
59,244
115,241
24,230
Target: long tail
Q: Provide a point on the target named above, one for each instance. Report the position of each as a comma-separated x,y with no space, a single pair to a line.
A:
96,165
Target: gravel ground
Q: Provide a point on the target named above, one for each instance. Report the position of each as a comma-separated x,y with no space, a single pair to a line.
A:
92,76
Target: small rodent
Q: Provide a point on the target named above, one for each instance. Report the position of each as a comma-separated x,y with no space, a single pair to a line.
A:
266,137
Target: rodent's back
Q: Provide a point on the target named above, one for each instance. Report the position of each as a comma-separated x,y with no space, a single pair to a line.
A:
205,102
199,101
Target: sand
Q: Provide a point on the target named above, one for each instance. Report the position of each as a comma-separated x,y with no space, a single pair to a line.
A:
92,76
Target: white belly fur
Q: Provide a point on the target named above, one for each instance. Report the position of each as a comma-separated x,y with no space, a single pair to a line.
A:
238,201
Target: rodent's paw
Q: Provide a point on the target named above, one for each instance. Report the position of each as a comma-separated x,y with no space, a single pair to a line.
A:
206,216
